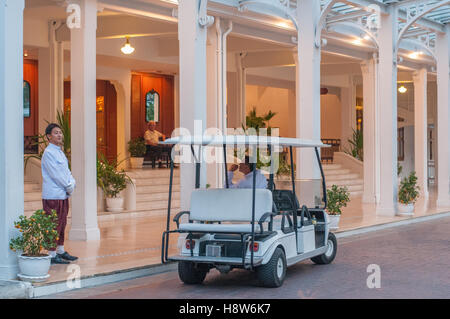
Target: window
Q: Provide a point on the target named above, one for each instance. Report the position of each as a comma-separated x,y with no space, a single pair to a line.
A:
26,99
401,144
152,106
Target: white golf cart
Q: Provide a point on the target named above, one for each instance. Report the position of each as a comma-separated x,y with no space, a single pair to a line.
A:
262,230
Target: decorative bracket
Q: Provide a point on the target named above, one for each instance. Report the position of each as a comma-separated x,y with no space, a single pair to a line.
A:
414,11
203,18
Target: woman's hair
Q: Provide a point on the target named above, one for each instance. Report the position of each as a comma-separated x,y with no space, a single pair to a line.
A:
50,127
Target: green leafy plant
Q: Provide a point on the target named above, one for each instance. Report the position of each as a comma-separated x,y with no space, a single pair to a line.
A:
337,197
408,192
254,121
38,232
399,169
284,168
109,179
137,147
356,145
42,141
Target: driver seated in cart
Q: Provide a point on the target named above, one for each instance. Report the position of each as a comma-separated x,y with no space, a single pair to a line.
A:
248,169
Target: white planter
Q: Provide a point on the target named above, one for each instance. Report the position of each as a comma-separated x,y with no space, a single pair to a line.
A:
334,221
114,204
405,210
34,269
136,162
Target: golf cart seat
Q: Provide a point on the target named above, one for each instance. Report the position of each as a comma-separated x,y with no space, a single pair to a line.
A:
232,206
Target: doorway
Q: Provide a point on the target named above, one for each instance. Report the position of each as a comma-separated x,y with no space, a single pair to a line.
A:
152,99
106,115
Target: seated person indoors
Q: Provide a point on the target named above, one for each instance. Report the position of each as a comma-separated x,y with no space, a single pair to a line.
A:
152,137
248,169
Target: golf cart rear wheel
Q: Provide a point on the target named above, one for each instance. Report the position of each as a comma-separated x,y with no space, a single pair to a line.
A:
273,273
190,273
329,255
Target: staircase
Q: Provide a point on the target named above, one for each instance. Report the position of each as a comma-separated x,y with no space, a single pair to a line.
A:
337,174
32,197
152,190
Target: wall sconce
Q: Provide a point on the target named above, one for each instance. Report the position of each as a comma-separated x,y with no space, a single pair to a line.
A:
402,89
127,48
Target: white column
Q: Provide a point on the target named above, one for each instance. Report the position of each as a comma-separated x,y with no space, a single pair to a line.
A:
213,96
307,100
56,71
387,99
11,130
242,82
420,130
307,87
370,122
348,120
192,45
443,119
83,121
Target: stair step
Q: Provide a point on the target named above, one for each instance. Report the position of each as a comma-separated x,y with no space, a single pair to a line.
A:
32,196
337,172
327,167
31,187
155,181
332,178
156,205
152,173
32,205
351,188
151,189
151,198
345,182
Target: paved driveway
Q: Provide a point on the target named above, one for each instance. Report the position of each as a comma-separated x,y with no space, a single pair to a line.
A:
414,262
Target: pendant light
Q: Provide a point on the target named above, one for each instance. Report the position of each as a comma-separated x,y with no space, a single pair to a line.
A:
127,48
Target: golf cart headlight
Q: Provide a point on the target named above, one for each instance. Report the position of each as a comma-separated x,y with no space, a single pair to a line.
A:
188,244
255,247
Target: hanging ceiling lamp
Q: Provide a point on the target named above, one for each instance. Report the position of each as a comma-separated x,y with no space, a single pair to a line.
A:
402,89
127,48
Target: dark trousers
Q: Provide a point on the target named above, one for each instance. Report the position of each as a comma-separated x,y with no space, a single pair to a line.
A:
61,206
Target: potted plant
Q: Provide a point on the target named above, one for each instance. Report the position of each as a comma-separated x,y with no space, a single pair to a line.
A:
337,197
112,182
137,149
408,194
38,233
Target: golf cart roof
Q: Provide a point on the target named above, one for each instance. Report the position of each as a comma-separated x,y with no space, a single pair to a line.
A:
220,140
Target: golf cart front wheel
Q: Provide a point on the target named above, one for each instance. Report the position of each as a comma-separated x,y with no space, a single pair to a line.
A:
330,253
273,273
190,273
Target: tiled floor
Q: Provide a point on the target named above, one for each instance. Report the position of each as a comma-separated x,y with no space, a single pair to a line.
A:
132,241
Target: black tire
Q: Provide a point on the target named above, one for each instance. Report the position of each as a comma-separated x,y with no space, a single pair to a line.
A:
270,274
191,274
329,255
